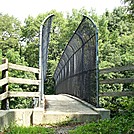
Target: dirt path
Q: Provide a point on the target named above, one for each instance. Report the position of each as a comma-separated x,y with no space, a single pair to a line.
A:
65,129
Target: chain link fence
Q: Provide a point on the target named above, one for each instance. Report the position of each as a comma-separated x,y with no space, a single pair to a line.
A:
77,70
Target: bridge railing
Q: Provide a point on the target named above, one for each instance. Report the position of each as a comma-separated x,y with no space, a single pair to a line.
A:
122,80
5,94
77,70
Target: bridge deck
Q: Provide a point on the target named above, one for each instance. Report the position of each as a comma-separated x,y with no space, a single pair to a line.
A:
63,103
60,108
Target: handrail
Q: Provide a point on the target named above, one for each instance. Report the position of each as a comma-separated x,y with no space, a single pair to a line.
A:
23,94
23,81
117,94
6,66
3,66
117,69
117,81
5,80
23,68
3,96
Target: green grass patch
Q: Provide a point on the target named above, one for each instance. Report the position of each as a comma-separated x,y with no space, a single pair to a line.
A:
121,124
13,129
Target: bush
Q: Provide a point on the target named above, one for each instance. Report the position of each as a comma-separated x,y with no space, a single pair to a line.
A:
122,123
117,125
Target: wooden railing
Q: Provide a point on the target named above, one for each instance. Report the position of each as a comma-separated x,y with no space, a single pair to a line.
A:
117,80
5,80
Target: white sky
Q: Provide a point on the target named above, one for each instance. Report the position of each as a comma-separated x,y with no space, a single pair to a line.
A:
22,8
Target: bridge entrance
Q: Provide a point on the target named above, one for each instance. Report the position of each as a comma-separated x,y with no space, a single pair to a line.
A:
77,70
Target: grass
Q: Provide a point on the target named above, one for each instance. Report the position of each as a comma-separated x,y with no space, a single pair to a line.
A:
14,129
121,124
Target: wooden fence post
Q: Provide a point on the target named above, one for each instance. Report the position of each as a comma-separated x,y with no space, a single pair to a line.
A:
5,102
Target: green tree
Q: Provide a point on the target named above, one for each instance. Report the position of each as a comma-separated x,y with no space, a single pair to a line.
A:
115,49
14,57
130,7
30,34
9,33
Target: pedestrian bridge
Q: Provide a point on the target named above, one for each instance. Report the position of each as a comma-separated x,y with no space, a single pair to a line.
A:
76,82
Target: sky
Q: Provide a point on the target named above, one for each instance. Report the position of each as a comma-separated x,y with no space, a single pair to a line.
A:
21,9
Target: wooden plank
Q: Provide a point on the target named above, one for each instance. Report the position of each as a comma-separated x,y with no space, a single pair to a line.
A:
23,81
3,96
23,68
3,81
116,69
117,81
24,94
3,67
118,94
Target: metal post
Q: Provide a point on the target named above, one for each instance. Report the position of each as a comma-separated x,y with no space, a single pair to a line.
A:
40,67
43,46
97,70
97,63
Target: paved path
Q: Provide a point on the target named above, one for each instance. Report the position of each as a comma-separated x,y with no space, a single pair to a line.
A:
63,103
62,108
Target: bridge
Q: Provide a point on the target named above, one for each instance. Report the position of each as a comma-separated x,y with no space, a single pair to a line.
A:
76,82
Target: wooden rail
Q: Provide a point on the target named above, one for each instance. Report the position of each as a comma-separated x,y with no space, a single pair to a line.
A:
23,68
117,81
5,80
117,94
3,96
117,69
23,81
23,94
3,67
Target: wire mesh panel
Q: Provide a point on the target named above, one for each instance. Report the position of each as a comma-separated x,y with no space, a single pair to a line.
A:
78,74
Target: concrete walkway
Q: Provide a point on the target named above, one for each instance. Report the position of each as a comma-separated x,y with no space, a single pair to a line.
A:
66,104
61,108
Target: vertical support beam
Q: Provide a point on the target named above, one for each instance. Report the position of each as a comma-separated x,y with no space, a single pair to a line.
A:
5,102
43,52
41,85
82,62
82,89
74,63
69,69
97,69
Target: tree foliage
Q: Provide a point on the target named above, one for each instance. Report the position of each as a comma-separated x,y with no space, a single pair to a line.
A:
20,43
14,57
130,7
9,33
